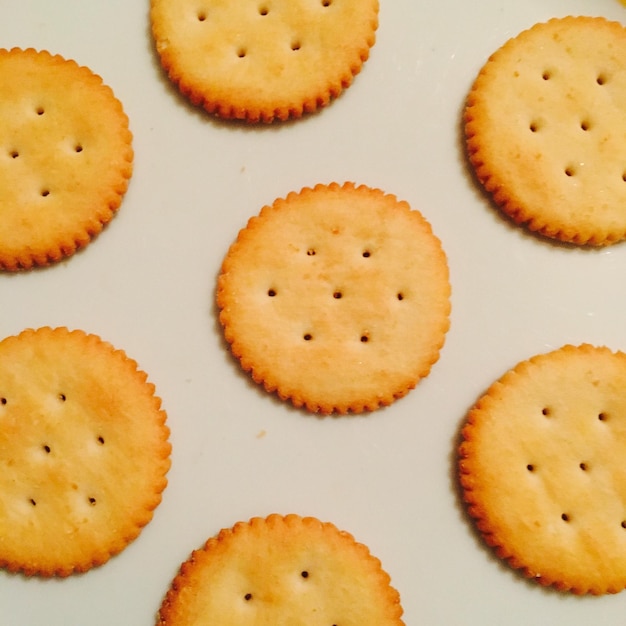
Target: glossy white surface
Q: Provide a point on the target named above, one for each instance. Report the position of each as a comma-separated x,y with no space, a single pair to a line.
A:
147,286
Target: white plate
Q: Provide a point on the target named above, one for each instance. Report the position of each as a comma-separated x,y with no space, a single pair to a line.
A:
147,286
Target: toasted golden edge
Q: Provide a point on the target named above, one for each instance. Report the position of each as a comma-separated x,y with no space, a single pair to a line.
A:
252,113
102,215
490,180
487,529
63,570
167,614
299,400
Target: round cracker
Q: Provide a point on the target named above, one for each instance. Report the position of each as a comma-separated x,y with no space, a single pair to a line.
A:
65,157
336,298
542,468
266,60
83,451
282,570
546,130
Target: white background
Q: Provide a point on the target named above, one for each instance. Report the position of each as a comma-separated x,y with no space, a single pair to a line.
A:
146,284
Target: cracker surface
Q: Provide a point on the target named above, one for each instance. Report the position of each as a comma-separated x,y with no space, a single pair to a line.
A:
282,570
336,298
84,451
546,129
542,468
65,157
265,60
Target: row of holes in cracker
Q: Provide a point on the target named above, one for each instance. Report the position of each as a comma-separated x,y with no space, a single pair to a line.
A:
536,125
47,449
72,146
304,574
263,10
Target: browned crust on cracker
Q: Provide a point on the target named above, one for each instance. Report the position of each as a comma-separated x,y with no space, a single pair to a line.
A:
88,195
274,533
588,560
501,159
379,382
69,519
270,94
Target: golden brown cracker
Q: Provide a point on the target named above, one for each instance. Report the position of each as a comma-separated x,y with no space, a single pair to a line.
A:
542,470
65,157
546,127
282,570
84,451
336,298
266,60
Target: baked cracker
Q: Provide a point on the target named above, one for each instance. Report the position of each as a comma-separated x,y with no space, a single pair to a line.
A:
263,61
337,298
84,451
542,468
65,157
546,129
282,570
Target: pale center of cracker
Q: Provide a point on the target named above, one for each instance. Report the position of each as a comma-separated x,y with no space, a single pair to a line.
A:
541,461
583,120
355,290
52,149
47,451
305,575
264,10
